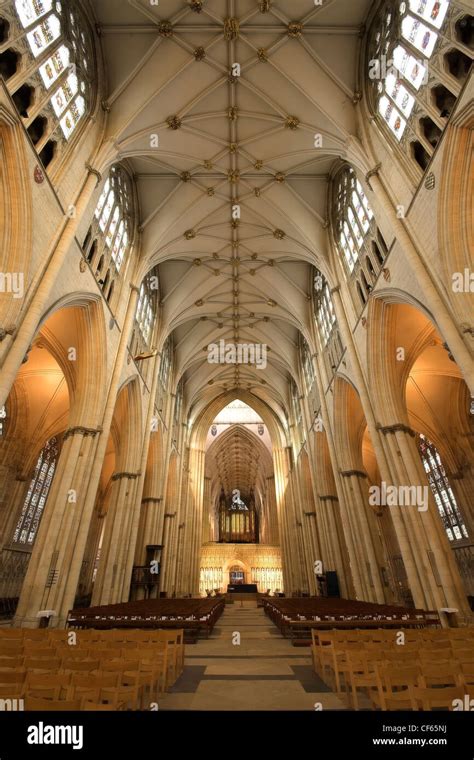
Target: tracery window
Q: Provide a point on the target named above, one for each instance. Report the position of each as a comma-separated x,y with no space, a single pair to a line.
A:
357,236
54,94
165,364
420,53
441,489
178,405
307,364
295,402
38,491
109,239
325,313
146,307
325,316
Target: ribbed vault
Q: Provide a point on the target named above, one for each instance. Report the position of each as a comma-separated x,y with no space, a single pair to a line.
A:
238,460
204,137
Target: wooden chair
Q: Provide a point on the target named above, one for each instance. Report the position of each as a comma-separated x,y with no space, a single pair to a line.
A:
47,680
463,655
155,669
56,635
48,664
155,659
461,643
439,656
11,633
130,679
102,706
39,650
466,676
12,690
12,676
431,698
324,650
81,693
361,675
338,664
66,652
400,700
438,674
56,705
174,640
35,634
80,665
11,663
44,692
393,684
11,647
126,644
127,693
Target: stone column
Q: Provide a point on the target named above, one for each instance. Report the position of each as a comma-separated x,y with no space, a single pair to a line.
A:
350,539
434,559
205,523
332,557
356,483
109,581
134,517
57,552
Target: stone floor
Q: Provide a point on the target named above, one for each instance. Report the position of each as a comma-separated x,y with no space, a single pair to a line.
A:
262,672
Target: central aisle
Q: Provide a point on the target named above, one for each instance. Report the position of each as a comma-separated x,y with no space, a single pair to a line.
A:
263,672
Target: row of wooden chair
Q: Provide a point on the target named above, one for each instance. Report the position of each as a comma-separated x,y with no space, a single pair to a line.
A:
423,672
30,640
116,681
124,671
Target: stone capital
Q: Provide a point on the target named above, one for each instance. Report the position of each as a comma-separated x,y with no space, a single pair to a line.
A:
398,427
129,475
351,473
95,172
81,430
372,173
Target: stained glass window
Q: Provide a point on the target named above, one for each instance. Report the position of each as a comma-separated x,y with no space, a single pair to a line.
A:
33,506
42,36
354,215
47,29
145,314
54,66
399,60
441,489
325,314
30,11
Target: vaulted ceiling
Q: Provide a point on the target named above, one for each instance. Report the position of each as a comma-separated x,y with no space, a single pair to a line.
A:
203,137
238,459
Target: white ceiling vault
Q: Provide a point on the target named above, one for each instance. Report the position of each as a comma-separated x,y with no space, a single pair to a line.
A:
228,140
